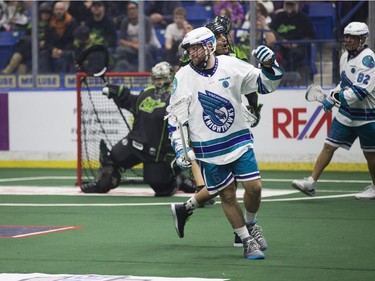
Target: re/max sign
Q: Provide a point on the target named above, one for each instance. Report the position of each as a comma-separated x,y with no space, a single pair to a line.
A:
297,124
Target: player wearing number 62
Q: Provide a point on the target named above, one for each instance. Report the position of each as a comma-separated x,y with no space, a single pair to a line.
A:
355,96
220,137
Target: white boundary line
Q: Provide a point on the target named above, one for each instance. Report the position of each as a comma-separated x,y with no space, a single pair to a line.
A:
73,178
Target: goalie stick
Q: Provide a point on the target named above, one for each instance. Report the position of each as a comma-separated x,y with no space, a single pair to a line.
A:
94,62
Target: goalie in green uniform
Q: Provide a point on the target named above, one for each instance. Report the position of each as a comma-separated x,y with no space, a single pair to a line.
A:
146,143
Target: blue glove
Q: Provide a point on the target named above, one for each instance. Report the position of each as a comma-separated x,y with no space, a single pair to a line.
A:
181,161
328,103
264,55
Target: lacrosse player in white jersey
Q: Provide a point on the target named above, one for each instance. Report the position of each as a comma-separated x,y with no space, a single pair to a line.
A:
219,136
355,97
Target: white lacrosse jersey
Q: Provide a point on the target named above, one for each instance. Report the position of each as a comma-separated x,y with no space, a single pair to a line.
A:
218,131
358,88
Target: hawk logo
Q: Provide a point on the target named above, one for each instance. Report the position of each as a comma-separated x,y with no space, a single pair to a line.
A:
218,113
149,104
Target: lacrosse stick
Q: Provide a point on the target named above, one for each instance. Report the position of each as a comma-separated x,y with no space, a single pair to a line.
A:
178,114
315,93
94,62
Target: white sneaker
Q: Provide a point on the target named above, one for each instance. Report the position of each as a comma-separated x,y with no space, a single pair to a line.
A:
306,186
367,194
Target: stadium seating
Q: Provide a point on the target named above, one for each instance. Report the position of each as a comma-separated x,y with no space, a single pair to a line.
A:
198,15
323,16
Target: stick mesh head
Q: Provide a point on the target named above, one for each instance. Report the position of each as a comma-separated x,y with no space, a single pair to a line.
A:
178,112
94,60
314,93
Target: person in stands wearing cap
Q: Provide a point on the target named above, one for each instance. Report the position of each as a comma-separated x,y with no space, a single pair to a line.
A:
83,39
291,24
101,25
355,98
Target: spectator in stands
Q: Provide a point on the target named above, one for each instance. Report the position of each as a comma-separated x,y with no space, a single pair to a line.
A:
101,25
146,143
265,35
13,16
80,10
291,24
161,12
3,16
127,51
174,34
22,54
59,37
232,9
116,10
83,39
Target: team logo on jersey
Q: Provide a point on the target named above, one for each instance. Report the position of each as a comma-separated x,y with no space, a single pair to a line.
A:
225,82
149,105
368,61
218,113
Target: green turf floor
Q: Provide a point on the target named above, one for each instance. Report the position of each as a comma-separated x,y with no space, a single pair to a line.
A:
327,238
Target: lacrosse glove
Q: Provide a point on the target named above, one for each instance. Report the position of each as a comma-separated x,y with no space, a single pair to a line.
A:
330,101
181,161
115,91
264,55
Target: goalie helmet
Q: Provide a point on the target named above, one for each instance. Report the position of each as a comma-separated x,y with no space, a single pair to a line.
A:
162,70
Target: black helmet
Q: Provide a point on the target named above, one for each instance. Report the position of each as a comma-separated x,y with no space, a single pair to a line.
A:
224,21
216,27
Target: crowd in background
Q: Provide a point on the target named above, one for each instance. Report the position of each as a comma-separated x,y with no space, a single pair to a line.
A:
65,28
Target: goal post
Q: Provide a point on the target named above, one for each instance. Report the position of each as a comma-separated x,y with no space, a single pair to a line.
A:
99,118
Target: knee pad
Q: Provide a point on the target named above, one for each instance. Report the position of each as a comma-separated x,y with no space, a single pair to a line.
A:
164,190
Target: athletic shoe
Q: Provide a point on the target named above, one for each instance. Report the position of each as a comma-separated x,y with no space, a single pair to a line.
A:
306,186
237,241
367,194
180,217
255,231
251,250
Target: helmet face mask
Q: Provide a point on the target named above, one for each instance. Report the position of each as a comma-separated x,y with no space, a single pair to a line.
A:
162,74
222,42
197,38
224,21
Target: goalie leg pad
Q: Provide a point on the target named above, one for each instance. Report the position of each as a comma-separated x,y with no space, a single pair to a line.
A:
160,177
109,177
